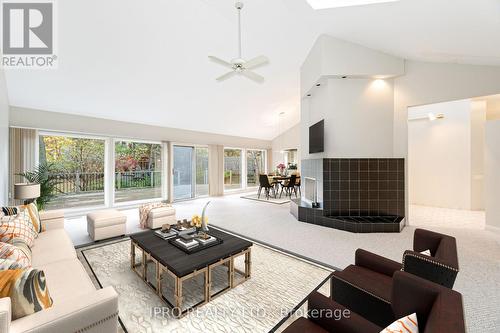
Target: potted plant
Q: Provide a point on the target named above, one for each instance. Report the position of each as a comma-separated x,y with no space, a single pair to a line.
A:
281,168
43,175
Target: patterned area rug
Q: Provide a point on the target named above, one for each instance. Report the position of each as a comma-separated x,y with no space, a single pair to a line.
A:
279,283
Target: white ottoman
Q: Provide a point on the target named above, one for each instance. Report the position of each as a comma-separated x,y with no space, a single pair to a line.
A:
107,223
160,216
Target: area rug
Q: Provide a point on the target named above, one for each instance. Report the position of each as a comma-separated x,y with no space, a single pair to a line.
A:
278,284
279,201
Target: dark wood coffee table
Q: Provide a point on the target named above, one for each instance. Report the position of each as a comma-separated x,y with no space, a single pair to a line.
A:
164,258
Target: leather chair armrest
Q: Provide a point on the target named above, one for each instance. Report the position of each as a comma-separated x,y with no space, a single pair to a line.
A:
334,317
96,312
5,314
376,263
429,268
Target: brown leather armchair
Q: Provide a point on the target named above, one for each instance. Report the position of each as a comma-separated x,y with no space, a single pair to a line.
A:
366,286
438,310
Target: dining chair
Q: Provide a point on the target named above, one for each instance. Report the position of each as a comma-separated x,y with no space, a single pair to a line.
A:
289,187
266,185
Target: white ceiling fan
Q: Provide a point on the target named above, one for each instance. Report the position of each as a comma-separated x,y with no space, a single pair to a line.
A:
239,66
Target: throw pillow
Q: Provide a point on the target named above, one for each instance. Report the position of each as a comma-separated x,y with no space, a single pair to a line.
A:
408,324
32,212
427,253
18,226
18,252
8,211
6,264
27,289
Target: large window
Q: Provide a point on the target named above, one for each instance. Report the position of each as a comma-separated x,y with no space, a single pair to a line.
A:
256,160
138,171
232,169
78,164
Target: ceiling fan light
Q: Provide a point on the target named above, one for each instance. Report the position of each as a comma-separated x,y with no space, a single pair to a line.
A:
325,4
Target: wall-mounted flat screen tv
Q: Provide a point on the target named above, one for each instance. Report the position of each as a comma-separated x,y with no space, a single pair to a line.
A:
317,138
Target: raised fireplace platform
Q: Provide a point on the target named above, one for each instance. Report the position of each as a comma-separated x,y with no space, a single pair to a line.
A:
304,212
354,194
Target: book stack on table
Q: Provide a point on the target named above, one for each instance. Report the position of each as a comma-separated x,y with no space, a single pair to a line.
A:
187,242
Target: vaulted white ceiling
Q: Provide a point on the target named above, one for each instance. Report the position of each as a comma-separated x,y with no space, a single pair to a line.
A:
146,61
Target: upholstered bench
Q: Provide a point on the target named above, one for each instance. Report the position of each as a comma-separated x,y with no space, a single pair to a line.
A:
107,223
161,215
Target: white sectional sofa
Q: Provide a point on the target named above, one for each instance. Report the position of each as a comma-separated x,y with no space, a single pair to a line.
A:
78,306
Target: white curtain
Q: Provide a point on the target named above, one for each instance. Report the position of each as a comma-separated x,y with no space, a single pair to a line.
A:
23,153
216,170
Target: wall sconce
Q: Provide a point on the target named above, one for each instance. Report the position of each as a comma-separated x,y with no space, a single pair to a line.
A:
433,116
430,116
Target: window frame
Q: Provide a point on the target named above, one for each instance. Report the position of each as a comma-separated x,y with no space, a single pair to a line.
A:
76,210
244,171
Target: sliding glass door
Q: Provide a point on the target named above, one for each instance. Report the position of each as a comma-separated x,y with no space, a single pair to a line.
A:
183,172
201,171
190,174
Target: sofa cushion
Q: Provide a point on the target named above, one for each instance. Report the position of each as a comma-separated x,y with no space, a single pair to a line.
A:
67,279
52,246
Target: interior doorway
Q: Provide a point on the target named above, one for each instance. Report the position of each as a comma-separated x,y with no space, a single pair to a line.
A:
447,162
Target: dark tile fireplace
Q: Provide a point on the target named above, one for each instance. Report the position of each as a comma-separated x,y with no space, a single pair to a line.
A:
355,194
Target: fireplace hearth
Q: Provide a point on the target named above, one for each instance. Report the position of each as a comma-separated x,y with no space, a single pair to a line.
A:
356,195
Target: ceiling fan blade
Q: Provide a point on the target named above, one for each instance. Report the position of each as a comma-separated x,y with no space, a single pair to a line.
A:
220,61
255,62
226,76
253,76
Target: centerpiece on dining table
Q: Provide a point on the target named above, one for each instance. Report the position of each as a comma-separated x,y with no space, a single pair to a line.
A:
281,169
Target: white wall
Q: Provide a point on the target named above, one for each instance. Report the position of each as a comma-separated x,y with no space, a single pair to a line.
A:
4,140
492,175
287,140
426,83
439,156
358,116
44,120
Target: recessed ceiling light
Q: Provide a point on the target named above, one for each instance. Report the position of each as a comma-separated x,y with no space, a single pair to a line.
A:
324,4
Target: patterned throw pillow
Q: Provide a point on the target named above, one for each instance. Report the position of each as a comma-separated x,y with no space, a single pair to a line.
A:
18,252
17,227
32,212
6,264
9,211
27,289
408,324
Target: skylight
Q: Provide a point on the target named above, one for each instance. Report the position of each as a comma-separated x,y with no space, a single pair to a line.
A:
324,4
